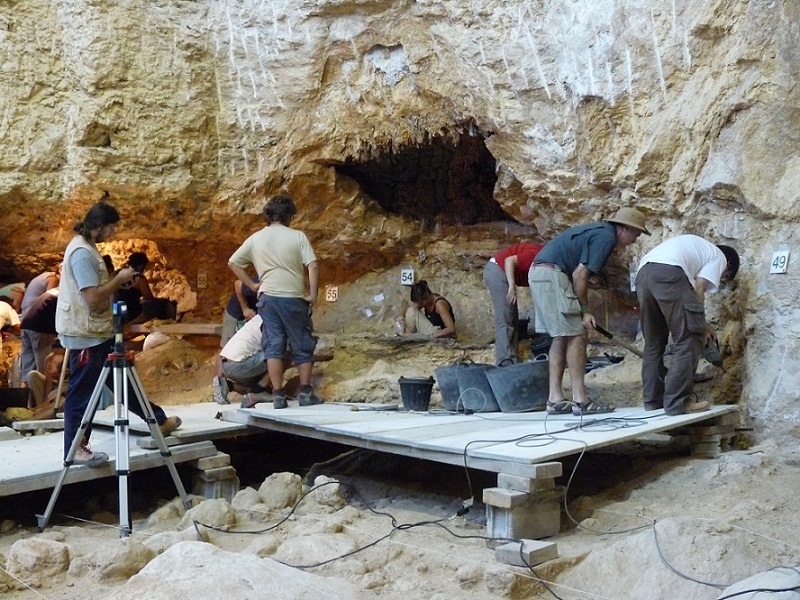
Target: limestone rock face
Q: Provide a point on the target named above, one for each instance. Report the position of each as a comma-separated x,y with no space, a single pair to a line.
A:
400,125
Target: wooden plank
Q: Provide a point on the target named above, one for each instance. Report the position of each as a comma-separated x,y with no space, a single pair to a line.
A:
178,328
43,461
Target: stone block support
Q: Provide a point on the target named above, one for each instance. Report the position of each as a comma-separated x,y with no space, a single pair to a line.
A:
524,508
215,478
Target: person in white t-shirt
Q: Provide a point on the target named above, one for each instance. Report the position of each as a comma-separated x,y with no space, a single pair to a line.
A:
242,361
671,284
281,257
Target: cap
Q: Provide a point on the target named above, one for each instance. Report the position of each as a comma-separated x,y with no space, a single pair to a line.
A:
630,217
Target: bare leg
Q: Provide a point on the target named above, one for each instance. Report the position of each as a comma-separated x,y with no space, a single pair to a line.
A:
557,364
275,370
576,362
304,372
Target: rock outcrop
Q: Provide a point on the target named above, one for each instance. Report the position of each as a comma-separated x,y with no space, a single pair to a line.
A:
401,126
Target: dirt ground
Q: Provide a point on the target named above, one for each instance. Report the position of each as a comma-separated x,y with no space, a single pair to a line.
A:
717,521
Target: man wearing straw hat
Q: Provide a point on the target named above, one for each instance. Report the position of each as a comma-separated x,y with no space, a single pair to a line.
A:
559,282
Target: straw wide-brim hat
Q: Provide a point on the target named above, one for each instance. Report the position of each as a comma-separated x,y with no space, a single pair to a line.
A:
630,217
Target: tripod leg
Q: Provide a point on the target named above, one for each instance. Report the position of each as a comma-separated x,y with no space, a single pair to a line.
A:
121,438
88,415
155,431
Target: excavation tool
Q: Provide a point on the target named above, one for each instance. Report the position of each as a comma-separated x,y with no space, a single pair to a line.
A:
615,340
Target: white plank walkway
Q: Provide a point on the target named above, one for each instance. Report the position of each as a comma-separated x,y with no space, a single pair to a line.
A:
495,442
34,462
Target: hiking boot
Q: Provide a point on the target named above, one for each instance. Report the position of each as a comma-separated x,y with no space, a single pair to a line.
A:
693,407
221,390
307,397
85,456
279,400
170,425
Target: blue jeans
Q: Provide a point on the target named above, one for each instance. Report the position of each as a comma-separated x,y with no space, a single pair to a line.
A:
286,319
82,382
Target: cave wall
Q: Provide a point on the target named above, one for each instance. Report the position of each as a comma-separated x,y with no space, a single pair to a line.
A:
185,115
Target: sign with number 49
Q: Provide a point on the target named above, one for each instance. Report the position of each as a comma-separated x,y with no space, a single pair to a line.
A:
779,261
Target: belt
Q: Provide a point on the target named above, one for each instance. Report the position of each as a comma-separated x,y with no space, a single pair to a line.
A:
547,266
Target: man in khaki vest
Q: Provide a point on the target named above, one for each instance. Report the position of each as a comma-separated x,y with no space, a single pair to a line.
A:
85,324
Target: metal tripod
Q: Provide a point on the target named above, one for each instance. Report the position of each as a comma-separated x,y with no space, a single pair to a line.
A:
121,364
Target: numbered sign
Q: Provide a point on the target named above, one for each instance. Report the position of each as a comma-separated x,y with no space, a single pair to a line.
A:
331,293
780,260
407,277
202,279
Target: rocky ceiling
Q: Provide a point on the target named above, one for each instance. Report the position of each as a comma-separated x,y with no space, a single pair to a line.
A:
402,126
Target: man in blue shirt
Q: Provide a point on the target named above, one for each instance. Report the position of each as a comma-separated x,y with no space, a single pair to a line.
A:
559,282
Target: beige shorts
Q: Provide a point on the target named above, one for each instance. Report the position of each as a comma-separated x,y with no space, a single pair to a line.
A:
558,312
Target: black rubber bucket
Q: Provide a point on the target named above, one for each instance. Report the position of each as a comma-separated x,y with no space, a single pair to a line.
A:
475,393
521,387
448,384
416,393
13,397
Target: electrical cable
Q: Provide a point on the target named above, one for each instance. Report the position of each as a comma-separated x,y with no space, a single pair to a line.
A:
769,590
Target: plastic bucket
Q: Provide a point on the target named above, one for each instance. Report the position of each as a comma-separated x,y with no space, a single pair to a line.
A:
521,387
475,393
448,384
13,397
416,393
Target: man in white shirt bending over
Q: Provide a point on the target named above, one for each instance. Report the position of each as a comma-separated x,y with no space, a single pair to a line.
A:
671,284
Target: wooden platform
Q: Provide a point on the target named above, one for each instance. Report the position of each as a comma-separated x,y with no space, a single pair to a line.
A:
34,462
178,328
504,443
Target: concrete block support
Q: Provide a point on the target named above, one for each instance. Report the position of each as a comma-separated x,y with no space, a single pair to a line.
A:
215,478
521,508
532,553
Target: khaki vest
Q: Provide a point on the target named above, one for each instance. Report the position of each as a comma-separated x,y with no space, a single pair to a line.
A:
73,315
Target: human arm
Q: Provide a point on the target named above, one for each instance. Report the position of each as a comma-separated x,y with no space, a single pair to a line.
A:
243,276
313,281
248,312
96,296
580,284
52,282
701,286
143,286
509,266
442,308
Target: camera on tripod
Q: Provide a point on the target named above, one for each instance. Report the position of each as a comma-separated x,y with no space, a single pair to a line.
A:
120,311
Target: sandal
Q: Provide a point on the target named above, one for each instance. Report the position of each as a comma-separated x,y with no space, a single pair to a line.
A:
559,408
590,407
250,400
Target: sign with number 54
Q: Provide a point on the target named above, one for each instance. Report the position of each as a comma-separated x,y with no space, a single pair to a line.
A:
407,277
779,261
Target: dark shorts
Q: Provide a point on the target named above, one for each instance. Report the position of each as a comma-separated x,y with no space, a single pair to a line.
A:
286,320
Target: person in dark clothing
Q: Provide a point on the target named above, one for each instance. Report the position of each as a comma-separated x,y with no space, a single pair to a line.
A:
240,308
38,332
430,314
133,292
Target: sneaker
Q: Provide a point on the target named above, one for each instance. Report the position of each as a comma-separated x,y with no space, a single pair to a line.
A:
220,391
250,400
308,398
85,456
279,400
170,425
